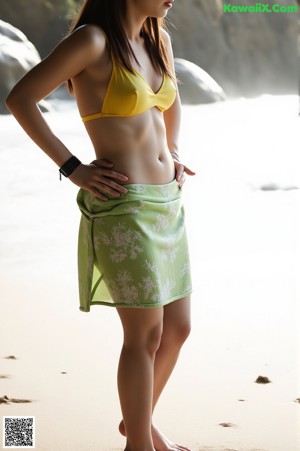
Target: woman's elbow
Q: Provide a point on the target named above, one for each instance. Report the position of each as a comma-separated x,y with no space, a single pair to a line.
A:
11,101
18,100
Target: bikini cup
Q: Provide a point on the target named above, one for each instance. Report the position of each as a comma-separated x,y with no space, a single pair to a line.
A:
129,94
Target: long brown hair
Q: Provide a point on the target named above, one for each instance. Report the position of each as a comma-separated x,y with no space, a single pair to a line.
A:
107,14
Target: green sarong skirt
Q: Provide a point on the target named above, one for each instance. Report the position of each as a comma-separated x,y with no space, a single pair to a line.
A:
132,250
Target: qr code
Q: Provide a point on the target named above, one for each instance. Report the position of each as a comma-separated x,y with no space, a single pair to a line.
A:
19,432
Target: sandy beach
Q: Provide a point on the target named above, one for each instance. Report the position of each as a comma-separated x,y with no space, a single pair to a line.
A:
242,215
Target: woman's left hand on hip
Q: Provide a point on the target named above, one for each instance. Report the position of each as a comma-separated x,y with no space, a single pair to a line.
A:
181,171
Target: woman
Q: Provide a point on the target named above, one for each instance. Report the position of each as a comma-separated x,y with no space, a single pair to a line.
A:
133,253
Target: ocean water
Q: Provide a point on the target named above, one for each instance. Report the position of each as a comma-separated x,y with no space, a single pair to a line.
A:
242,216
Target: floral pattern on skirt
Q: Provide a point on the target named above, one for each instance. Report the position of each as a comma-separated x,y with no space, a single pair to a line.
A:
133,250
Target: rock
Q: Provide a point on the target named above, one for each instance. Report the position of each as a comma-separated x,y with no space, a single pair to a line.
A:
17,56
228,425
45,106
263,380
44,22
195,85
275,187
6,400
11,357
247,54
18,401
269,187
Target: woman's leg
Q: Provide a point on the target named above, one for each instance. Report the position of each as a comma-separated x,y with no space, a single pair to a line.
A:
176,328
142,335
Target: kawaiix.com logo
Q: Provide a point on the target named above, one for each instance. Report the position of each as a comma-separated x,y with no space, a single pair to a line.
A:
258,7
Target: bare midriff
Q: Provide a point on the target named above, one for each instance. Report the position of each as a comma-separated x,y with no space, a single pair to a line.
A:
136,145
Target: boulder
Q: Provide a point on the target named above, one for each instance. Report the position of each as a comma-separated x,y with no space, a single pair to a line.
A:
248,54
196,85
17,56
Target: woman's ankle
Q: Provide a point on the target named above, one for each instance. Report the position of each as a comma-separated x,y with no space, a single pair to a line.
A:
145,446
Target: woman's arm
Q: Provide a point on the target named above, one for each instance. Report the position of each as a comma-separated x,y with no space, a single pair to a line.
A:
68,59
172,118
74,54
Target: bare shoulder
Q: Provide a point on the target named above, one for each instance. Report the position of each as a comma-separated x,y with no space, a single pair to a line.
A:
74,54
87,38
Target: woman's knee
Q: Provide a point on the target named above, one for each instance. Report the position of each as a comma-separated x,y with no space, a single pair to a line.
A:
147,340
179,332
142,329
177,322
153,338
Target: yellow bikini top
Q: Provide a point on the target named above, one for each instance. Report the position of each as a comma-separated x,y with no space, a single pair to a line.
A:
129,94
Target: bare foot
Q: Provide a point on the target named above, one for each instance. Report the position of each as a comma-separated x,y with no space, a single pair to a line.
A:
161,443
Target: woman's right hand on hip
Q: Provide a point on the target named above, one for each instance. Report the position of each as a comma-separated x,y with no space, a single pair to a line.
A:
100,179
